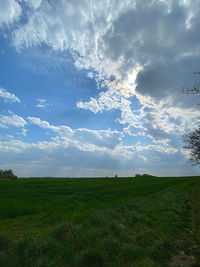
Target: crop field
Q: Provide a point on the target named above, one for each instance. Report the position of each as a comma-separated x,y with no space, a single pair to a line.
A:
142,222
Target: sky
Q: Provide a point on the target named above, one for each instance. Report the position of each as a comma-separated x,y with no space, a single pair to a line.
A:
95,88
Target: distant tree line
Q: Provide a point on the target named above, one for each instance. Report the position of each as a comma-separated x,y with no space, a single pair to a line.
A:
7,174
143,175
136,176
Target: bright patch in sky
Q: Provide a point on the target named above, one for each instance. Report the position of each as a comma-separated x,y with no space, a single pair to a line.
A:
95,88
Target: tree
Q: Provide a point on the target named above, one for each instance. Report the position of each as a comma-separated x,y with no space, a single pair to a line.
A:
192,143
192,139
7,174
195,88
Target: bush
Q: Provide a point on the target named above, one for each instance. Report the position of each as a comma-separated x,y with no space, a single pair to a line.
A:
7,174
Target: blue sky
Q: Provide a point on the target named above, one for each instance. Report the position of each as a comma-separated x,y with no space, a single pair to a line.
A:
95,88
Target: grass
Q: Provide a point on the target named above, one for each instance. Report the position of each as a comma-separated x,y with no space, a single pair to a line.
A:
100,222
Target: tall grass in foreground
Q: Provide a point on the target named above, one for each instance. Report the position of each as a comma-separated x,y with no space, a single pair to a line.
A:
152,230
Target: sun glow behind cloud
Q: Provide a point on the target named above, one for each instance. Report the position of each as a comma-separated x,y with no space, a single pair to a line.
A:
130,84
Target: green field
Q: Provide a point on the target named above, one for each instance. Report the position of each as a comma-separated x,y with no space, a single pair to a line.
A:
143,221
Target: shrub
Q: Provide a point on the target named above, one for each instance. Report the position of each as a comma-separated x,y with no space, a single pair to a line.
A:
7,174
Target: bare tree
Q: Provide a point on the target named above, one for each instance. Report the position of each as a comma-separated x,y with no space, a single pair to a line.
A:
195,88
192,143
192,139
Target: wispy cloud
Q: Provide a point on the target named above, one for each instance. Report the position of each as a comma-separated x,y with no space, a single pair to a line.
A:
7,96
10,11
41,103
24,132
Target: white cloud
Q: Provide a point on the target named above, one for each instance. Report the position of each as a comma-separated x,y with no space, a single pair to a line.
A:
10,11
158,120
106,142
63,131
102,138
38,122
78,26
33,3
106,101
8,97
83,138
111,39
14,145
12,120
49,158
41,103
24,132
